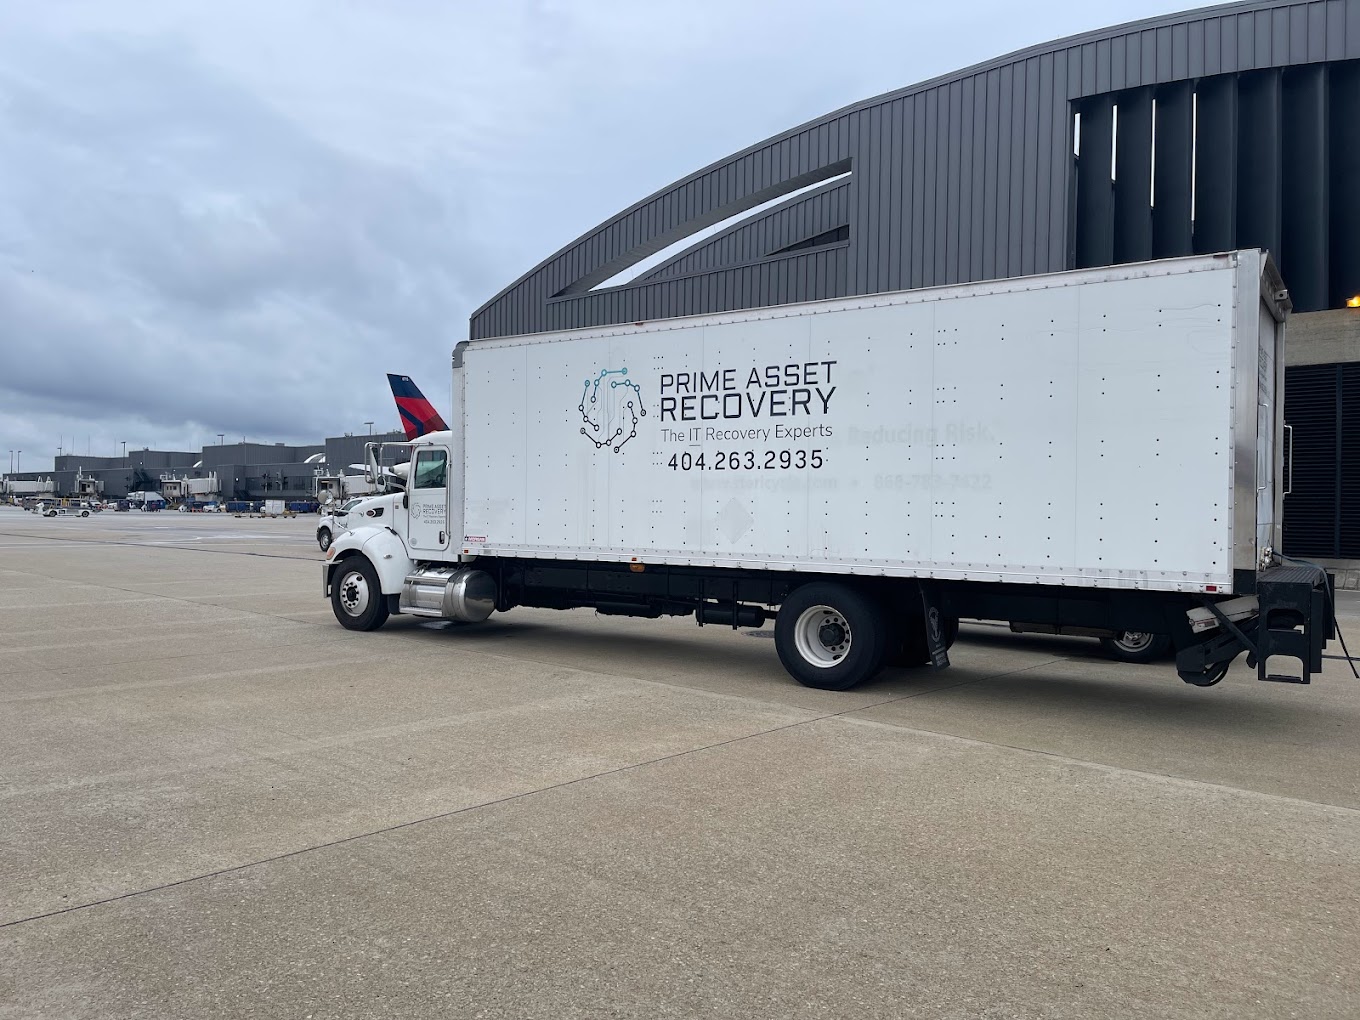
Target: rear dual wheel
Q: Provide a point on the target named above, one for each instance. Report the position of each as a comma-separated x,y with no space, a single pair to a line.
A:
1137,646
908,647
830,636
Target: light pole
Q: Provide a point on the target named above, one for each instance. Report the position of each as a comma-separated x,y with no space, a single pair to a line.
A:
219,438
370,427
18,454
11,462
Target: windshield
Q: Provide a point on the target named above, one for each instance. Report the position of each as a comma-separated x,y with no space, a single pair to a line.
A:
350,505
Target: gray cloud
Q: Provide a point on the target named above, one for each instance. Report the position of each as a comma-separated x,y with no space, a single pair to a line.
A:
179,251
236,218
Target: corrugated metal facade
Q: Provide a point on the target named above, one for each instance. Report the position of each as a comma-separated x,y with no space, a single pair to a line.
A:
1275,165
972,176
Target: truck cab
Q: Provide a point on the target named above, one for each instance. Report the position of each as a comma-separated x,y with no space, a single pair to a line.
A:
402,555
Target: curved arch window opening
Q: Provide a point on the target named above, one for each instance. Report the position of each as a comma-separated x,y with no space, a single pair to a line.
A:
639,268
835,235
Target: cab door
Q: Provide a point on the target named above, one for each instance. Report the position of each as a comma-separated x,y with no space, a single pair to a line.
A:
427,501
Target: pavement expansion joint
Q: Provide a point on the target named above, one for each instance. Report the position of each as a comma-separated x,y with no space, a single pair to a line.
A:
631,767
66,539
1090,763
439,816
196,602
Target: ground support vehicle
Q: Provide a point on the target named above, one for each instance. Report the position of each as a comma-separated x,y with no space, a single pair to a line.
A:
67,511
333,522
1095,451
365,511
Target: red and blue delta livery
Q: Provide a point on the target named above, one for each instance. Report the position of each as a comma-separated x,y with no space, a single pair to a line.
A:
418,416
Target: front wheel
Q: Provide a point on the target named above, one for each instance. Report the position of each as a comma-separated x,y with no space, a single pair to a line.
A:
323,538
1137,646
356,595
830,637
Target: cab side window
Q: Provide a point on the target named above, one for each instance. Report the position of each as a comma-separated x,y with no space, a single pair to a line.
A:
431,469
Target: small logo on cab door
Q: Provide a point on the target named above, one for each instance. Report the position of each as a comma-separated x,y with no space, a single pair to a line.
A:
611,406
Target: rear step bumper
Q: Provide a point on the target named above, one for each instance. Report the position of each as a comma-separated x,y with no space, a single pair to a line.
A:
1297,619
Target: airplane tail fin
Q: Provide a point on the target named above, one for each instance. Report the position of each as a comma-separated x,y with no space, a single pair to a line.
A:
418,415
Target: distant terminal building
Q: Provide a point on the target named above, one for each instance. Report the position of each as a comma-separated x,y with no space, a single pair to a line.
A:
1219,128
230,471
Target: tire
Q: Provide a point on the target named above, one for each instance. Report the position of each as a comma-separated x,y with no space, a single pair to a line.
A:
51,513
830,636
84,513
323,538
356,595
1137,646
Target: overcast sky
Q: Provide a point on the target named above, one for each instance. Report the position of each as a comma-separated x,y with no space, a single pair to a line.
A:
237,217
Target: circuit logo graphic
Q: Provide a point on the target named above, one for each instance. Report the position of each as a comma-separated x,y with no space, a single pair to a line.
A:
611,406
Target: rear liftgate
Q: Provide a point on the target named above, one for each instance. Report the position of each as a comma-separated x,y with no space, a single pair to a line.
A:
1291,615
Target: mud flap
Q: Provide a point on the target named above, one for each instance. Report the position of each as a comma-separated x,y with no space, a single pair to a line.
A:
934,621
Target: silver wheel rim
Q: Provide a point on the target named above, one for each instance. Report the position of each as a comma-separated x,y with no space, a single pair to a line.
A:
354,593
1134,641
325,540
822,636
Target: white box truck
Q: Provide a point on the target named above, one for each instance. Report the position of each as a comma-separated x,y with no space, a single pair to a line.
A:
1096,452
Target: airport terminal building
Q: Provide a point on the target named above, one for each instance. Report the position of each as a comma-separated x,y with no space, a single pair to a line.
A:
1226,127
231,471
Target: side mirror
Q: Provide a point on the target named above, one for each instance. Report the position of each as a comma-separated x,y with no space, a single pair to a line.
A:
372,473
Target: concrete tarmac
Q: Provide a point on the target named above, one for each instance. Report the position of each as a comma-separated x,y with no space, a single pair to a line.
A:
215,802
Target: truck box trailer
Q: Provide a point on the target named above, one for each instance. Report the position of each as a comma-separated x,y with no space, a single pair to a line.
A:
1097,451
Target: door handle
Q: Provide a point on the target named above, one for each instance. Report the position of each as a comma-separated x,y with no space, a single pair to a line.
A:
1289,451
443,539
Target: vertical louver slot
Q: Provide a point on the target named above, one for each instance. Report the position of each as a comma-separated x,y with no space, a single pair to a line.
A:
1322,514
1348,463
